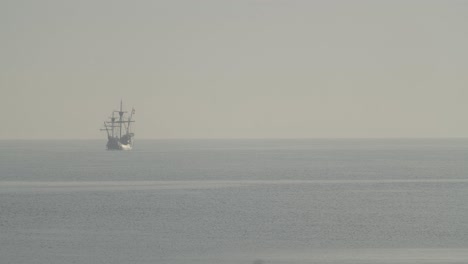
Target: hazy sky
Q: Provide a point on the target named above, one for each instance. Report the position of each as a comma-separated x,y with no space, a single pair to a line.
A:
235,69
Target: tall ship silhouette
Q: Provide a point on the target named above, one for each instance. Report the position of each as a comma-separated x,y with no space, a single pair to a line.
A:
119,129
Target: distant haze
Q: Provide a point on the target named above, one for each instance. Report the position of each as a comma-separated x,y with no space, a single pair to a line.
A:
235,68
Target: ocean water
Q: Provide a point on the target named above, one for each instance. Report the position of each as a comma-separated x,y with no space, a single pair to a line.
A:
235,201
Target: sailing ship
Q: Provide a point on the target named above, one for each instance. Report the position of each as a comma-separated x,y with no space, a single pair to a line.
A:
118,128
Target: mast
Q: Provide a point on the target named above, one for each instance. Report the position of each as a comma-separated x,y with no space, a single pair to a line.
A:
106,129
120,119
113,121
130,120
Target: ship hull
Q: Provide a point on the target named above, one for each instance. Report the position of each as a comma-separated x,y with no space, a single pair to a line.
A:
115,144
120,147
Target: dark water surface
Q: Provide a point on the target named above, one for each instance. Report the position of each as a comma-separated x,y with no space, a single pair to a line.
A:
235,201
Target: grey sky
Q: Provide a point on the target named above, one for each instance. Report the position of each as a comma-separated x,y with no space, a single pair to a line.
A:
235,69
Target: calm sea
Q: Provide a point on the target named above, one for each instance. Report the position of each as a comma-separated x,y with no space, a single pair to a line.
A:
235,201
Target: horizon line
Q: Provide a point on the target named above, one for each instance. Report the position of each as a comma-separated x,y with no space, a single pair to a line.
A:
241,138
